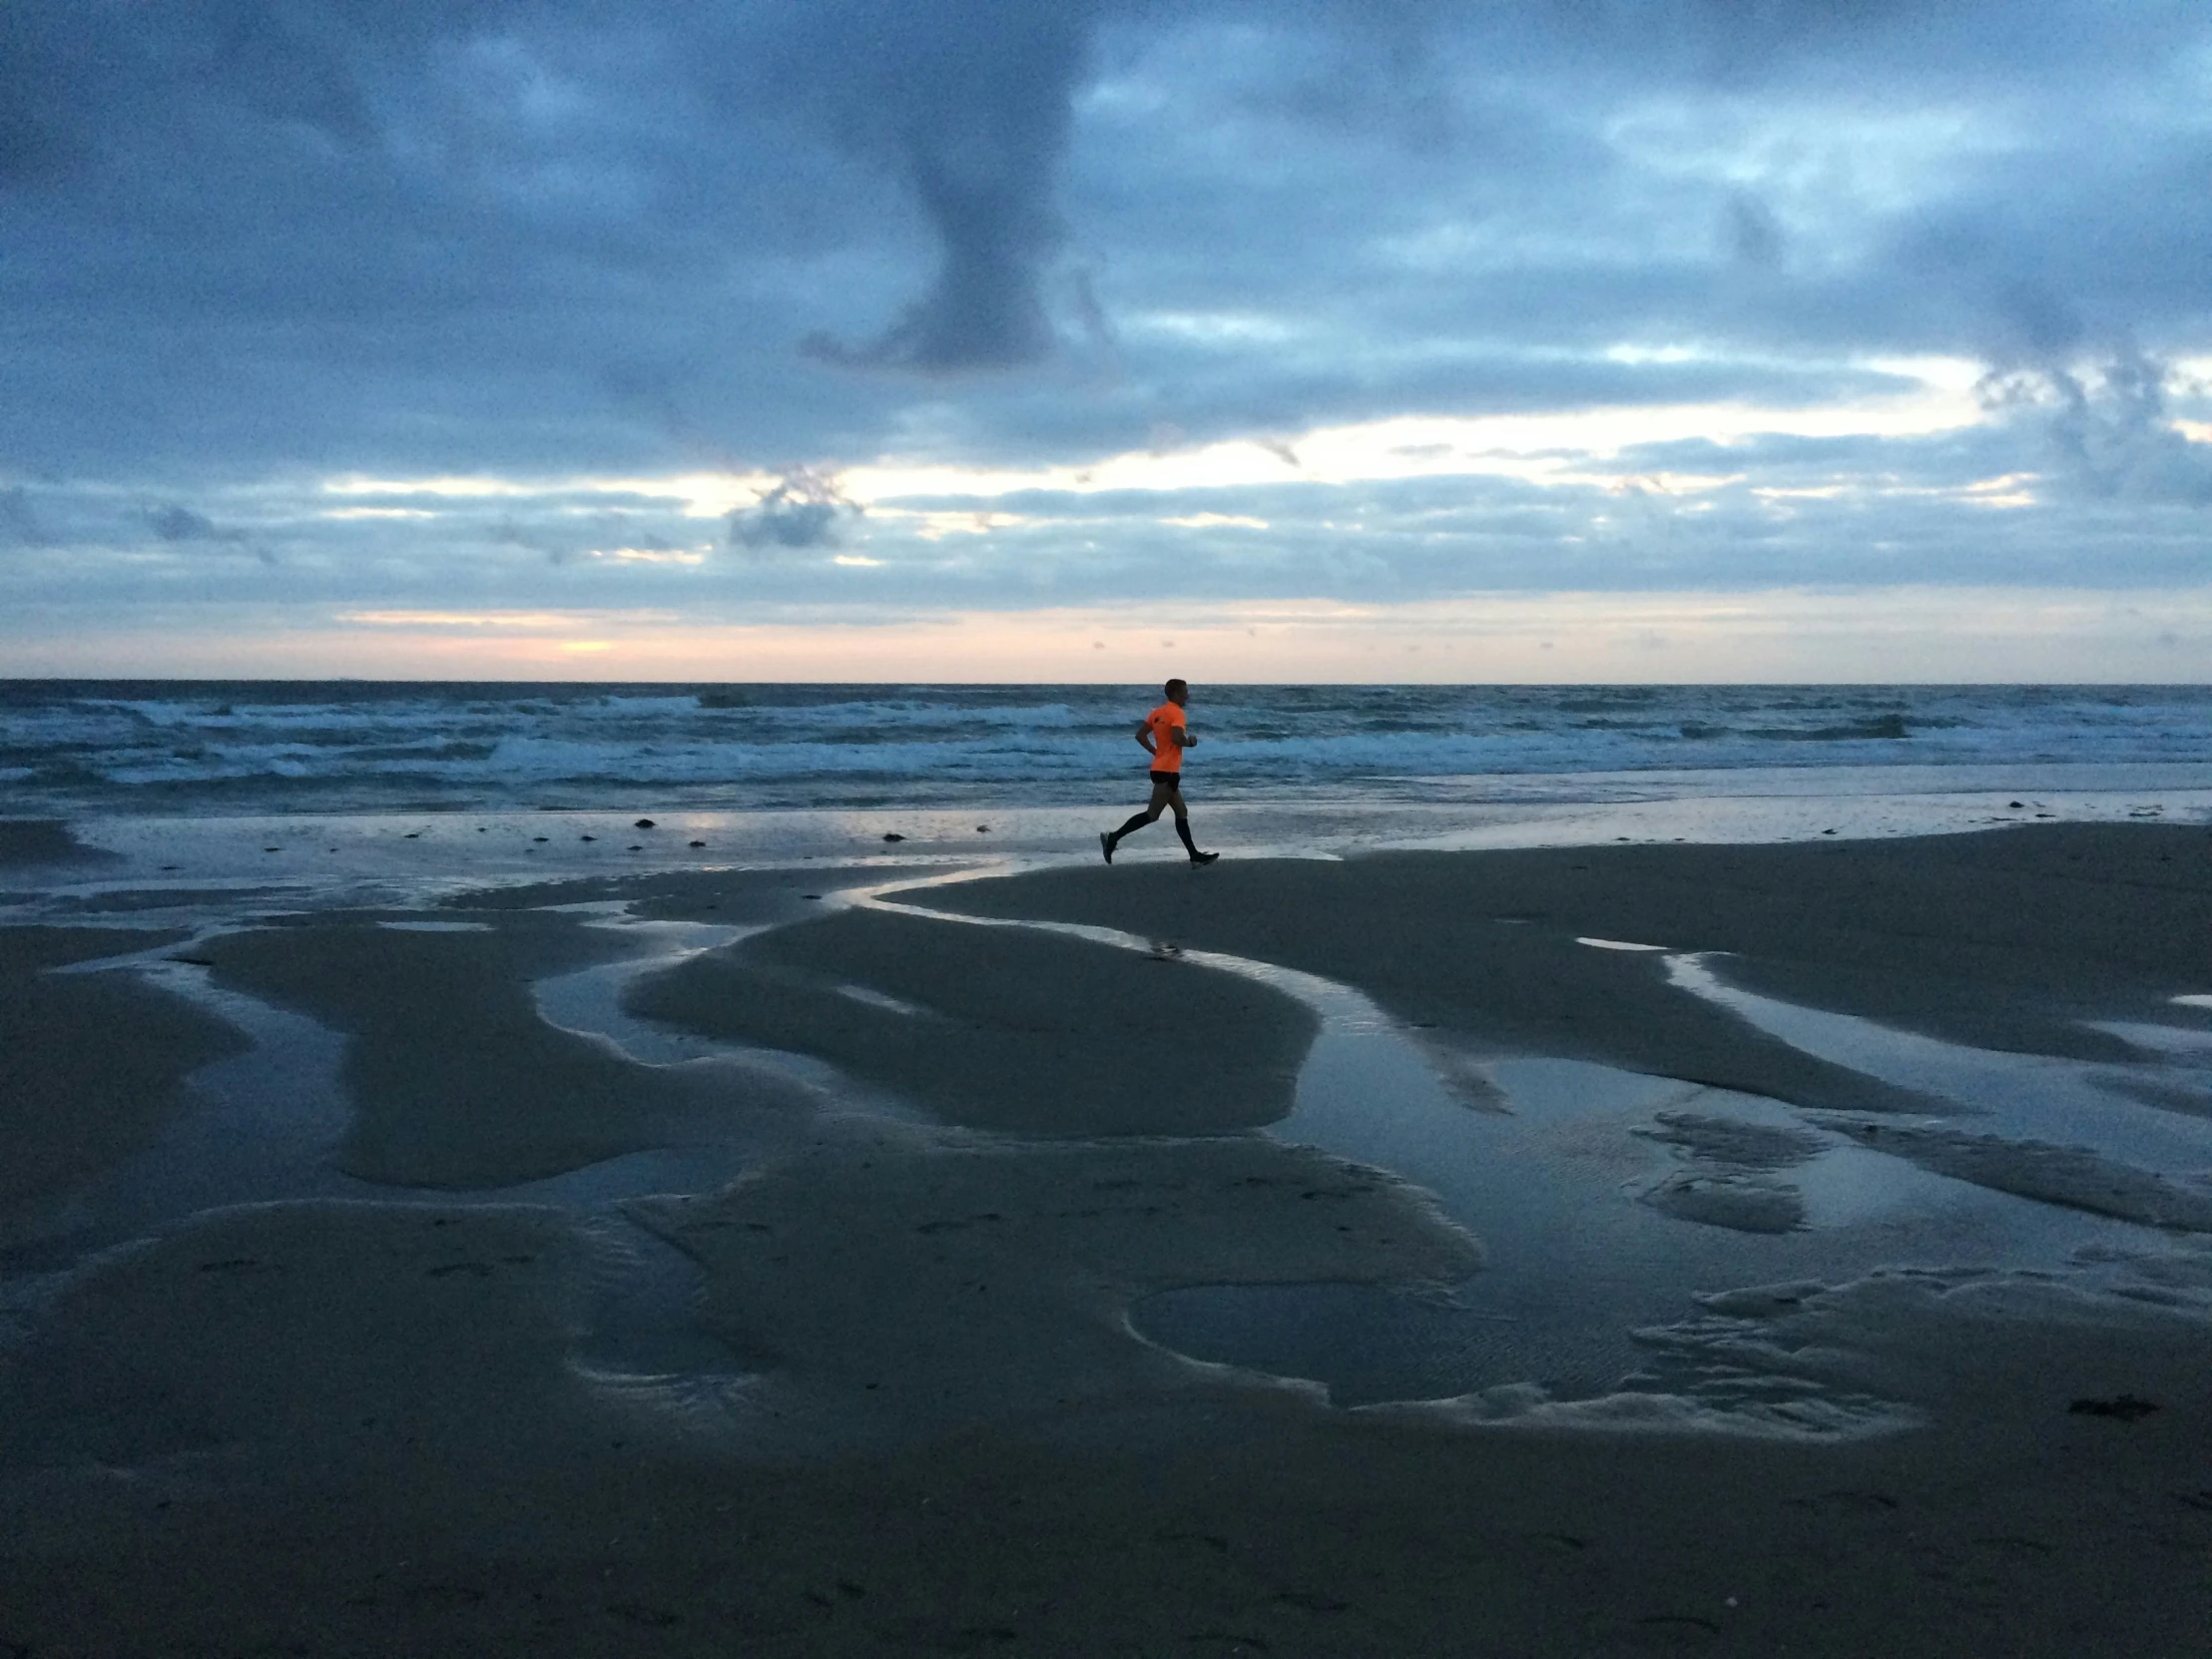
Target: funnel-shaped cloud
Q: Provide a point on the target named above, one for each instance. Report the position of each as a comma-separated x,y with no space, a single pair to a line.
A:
969,103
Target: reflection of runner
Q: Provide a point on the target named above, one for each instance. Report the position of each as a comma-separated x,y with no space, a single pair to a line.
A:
1164,736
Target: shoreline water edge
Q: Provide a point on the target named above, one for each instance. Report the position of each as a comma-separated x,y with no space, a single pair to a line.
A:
1617,1220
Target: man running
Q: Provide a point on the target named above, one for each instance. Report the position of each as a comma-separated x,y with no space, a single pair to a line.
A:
1164,736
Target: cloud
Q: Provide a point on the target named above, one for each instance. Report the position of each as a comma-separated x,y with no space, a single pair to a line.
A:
805,510
174,523
969,104
1754,237
585,236
181,525
2108,429
584,242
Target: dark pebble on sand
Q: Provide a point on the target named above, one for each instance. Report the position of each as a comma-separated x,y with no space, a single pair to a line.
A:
2016,805
698,843
644,823
635,848
983,828
809,895
273,850
587,837
2126,1408
537,837
893,835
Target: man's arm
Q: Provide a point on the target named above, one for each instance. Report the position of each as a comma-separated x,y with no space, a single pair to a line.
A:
1144,738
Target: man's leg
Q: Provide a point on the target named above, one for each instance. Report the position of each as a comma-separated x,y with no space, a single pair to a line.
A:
1162,793
1183,828
1150,814
1183,825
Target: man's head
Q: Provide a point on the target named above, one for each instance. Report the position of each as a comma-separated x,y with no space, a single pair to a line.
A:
1179,692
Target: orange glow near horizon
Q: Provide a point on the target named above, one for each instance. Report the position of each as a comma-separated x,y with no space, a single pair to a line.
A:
1874,636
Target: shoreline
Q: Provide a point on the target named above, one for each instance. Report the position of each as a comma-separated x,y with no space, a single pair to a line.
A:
403,857
362,1416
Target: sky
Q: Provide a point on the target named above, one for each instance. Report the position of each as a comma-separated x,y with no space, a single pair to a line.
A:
1098,339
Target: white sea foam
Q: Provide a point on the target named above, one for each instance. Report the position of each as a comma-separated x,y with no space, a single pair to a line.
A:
76,748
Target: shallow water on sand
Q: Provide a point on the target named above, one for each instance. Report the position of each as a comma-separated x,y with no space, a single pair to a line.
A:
1552,1165
1541,1158
263,1125
1552,1175
2021,1096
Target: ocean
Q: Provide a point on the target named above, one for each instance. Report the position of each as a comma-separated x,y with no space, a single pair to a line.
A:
172,748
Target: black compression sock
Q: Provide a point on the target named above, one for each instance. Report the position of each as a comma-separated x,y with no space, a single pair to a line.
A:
1134,824
1183,828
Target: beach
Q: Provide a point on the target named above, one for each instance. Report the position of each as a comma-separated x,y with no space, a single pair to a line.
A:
1638,1246
1364,829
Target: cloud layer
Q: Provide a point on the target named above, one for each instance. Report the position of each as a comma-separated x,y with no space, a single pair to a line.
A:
1007,303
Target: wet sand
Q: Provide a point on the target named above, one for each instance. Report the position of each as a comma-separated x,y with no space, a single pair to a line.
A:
92,1062
917,1417
2007,941
44,842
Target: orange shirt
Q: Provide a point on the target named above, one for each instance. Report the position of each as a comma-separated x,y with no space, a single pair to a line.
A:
1165,721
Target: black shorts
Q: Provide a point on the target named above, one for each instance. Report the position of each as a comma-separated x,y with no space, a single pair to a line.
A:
1168,780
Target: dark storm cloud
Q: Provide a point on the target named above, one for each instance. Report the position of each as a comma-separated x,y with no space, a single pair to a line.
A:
969,105
396,235
581,233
